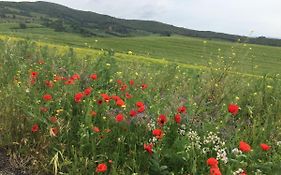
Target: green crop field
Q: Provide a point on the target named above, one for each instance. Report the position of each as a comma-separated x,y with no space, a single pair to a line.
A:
251,59
142,105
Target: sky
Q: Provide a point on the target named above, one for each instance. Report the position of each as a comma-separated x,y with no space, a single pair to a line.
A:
243,17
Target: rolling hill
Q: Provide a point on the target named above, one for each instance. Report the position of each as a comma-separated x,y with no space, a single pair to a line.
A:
64,19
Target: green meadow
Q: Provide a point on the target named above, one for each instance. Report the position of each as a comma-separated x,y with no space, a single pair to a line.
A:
149,105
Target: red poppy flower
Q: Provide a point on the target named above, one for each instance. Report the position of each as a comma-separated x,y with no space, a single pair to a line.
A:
95,129
233,109
119,118
35,128
119,81
57,78
265,147
101,168
177,118
78,97
133,113
53,119
99,102
115,98
75,77
141,109
132,82
215,171
148,148
212,162
87,91
54,132
123,87
182,109
128,96
244,147
158,133
93,113
93,76
139,104
69,82
144,86
105,97
162,119
47,97
34,75
120,103
49,83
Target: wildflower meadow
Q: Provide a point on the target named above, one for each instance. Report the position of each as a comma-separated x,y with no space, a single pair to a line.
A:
70,113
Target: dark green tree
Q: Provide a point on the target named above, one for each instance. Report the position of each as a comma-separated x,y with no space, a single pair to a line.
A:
58,26
22,25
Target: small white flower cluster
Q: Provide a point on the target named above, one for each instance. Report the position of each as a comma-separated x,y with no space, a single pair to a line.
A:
182,130
236,152
205,150
213,138
153,140
193,136
195,140
217,145
151,125
278,143
238,172
222,155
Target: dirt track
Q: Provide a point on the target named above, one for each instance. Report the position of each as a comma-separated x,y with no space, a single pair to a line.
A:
5,166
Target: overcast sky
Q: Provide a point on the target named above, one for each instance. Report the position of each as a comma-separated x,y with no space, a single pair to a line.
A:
244,17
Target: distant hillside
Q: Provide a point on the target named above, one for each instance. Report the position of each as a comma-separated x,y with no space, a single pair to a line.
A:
61,18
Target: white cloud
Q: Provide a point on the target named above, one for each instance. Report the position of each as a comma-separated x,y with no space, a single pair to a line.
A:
229,16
